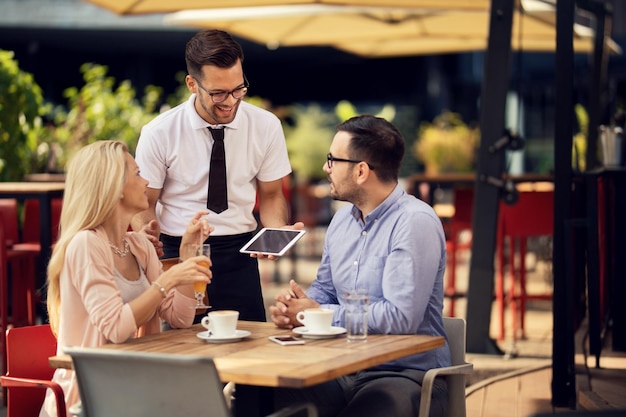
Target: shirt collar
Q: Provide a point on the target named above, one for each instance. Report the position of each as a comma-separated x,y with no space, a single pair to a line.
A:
382,208
199,123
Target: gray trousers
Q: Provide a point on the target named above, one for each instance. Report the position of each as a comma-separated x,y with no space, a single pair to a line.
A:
370,393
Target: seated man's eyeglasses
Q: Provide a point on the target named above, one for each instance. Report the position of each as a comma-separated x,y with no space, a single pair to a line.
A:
220,96
330,159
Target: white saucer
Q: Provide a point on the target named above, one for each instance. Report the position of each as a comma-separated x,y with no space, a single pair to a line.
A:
209,338
304,332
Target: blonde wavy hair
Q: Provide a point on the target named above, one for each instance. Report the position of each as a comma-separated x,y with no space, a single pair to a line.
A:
94,182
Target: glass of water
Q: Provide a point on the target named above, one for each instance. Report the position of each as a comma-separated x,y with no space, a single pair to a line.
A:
357,306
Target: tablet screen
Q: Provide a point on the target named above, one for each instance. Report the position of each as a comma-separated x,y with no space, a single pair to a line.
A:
272,241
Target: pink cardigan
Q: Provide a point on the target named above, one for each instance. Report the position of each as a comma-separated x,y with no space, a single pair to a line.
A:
92,310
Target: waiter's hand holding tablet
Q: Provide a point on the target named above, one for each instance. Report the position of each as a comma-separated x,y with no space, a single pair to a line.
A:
272,242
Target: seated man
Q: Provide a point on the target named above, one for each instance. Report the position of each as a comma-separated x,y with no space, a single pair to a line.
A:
391,244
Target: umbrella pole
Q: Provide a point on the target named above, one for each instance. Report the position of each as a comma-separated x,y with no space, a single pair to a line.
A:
490,168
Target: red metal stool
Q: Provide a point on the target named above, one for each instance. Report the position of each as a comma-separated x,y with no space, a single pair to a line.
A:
460,222
21,259
531,216
30,229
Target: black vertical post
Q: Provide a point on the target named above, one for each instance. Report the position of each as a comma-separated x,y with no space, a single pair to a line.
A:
490,164
598,99
593,263
563,371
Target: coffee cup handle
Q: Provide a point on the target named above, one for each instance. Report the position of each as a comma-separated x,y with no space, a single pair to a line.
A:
300,317
206,322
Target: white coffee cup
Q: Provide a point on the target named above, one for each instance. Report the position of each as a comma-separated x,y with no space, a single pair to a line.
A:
316,320
221,323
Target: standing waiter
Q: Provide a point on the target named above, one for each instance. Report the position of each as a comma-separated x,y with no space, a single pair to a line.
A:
218,153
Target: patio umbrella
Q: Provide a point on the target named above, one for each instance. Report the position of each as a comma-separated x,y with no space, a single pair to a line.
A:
384,31
467,32
127,7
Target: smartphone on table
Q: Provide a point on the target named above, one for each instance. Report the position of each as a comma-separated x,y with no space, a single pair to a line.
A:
286,340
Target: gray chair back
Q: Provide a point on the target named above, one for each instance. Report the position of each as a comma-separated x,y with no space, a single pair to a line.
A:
133,384
456,331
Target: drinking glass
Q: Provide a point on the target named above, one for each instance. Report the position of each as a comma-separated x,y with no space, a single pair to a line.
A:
357,304
199,287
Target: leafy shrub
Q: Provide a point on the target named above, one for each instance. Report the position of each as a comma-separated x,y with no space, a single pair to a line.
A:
21,105
98,110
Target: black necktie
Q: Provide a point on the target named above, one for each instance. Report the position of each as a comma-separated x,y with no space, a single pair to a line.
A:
218,195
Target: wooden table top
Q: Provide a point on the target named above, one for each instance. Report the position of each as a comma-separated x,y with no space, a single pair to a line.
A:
257,361
31,187
470,177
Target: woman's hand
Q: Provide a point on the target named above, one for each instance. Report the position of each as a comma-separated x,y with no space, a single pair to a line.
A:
151,230
198,230
193,270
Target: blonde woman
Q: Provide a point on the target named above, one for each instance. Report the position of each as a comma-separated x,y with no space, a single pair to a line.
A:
105,284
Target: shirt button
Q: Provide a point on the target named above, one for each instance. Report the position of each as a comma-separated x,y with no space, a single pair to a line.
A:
356,263
364,232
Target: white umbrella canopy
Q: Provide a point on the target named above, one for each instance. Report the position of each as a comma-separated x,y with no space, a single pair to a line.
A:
124,7
384,31
371,28
302,25
468,32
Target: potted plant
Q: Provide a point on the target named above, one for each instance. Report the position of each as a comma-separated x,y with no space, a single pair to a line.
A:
447,144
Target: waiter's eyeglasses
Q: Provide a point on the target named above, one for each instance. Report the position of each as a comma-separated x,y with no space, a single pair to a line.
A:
220,96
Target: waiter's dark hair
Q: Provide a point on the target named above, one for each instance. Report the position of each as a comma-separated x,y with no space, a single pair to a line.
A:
211,47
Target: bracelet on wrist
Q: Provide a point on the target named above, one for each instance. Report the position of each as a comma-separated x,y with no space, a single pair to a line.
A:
161,288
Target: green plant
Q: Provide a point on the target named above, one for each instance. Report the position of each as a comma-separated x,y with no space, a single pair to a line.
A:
181,94
345,110
308,140
98,110
21,105
310,134
447,144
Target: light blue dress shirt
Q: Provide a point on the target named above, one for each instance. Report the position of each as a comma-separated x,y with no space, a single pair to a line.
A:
398,254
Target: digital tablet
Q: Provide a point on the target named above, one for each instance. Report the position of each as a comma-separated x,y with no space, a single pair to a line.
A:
270,241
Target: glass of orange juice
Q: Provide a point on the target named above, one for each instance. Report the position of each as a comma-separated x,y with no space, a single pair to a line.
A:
199,288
